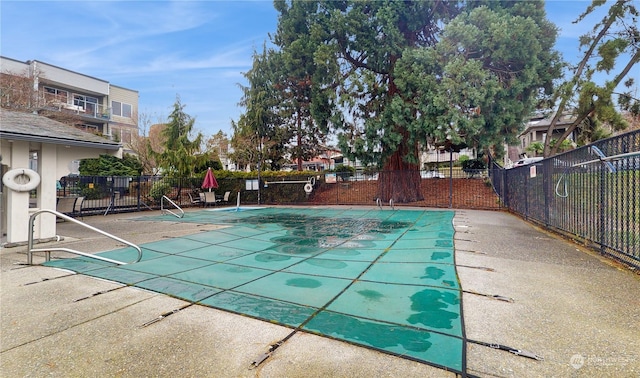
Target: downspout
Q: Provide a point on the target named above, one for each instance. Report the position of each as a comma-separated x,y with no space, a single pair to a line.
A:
36,84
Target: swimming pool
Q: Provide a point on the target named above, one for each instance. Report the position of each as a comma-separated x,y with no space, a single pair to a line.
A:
380,279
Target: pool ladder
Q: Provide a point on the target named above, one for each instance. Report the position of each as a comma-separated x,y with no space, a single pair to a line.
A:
48,251
379,204
164,211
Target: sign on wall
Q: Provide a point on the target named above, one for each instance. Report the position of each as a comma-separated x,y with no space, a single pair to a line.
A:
251,184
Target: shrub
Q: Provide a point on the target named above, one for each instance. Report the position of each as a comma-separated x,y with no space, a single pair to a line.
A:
159,189
91,193
473,166
344,172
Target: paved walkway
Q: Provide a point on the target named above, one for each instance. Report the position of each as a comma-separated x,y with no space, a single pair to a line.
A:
579,312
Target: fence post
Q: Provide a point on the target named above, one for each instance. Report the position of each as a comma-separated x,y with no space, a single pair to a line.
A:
139,190
602,206
547,181
526,195
505,187
450,178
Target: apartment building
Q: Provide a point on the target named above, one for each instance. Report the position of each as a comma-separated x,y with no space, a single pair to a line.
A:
86,102
537,128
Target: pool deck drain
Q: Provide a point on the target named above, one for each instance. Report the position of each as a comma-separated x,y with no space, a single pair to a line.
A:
577,311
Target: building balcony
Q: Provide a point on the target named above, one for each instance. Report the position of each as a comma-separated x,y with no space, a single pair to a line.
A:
87,111
85,106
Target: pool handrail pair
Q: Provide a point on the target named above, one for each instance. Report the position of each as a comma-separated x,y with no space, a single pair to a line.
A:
164,211
48,251
379,204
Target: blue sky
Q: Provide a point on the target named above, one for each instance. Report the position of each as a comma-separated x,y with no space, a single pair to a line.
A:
195,49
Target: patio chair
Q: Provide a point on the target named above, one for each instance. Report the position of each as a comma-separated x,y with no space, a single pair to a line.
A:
225,199
209,198
77,207
195,201
66,205
71,206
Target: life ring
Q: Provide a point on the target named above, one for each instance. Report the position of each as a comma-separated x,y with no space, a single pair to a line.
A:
308,188
312,181
21,180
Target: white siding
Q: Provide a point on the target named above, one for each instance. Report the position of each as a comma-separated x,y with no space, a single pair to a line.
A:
67,155
13,66
71,79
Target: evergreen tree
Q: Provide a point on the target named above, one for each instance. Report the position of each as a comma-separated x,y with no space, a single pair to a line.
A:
405,73
181,156
300,78
109,165
613,40
258,136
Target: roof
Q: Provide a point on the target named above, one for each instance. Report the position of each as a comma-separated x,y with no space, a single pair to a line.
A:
36,128
542,122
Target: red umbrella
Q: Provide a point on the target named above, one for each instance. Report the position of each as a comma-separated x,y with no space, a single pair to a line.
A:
209,180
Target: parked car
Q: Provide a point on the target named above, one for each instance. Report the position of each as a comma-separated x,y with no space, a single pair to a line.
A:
431,174
526,161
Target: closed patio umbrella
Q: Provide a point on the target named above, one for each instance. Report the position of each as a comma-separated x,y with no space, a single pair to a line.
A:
209,180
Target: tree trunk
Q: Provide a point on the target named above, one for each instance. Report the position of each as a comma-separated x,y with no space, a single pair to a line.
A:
399,180
299,140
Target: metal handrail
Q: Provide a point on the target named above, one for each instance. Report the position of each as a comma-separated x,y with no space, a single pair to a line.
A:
164,211
66,217
311,180
607,159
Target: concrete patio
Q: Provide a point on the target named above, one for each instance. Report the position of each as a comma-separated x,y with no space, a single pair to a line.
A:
576,310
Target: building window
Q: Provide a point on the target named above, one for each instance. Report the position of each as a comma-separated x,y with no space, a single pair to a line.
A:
121,109
126,110
56,95
33,164
86,103
116,108
81,100
89,128
125,136
121,135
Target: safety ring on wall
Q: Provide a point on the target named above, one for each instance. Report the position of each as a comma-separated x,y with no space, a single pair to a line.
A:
308,188
312,181
21,180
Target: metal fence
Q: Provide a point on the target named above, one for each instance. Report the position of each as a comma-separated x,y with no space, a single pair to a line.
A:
591,194
447,188
444,188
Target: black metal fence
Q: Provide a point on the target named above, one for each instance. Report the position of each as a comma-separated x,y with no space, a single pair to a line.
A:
447,188
591,193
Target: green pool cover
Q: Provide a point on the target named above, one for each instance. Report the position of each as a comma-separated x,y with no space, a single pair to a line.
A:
381,279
